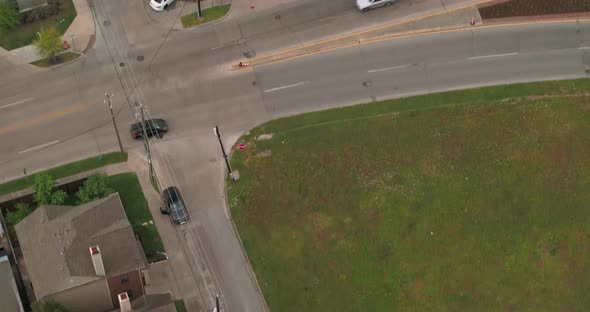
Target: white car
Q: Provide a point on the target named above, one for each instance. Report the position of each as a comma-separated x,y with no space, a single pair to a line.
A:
160,5
366,5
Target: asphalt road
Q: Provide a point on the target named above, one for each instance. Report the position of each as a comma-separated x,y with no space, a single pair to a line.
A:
52,117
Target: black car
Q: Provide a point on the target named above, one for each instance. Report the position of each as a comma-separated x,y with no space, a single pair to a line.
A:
155,127
175,205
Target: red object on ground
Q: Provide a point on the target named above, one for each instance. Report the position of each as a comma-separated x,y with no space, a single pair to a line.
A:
66,44
473,20
242,146
251,6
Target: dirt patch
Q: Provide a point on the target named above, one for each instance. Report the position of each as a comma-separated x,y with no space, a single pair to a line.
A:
521,8
263,154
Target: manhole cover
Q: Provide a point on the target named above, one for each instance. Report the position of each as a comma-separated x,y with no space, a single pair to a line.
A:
278,17
107,23
121,64
140,58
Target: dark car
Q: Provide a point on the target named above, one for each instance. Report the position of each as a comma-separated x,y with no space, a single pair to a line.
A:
155,127
174,205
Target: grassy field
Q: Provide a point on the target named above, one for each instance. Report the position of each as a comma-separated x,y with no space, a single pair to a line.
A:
137,211
24,34
209,15
460,201
62,58
65,170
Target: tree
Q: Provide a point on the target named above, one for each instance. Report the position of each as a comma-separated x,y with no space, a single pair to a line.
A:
49,43
45,193
95,187
47,305
21,211
9,17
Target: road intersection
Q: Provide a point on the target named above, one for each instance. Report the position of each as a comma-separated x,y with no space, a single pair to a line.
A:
51,117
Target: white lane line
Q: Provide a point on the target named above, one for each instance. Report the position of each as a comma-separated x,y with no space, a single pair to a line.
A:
16,103
584,48
388,68
493,55
38,147
285,87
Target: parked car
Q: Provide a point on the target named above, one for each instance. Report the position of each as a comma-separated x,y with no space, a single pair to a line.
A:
160,5
366,5
153,127
174,205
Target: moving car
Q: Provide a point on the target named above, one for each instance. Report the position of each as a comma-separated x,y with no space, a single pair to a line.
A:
174,205
366,5
160,5
153,127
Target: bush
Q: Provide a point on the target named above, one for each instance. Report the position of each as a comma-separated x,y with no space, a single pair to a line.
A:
45,193
95,187
9,17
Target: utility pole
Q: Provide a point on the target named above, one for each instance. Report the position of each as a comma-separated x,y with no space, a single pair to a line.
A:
199,13
218,134
146,142
217,308
108,101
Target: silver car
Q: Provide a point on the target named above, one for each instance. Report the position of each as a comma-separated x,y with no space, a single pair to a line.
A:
366,5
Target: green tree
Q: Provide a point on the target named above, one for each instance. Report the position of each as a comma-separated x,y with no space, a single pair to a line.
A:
95,187
47,305
48,42
9,17
21,211
45,192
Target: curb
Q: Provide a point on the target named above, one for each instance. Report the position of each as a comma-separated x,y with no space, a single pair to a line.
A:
231,220
80,55
219,20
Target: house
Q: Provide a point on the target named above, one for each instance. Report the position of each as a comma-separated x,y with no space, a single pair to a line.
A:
9,295
83,256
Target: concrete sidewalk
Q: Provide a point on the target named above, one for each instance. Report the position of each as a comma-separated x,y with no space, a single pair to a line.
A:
174,274
80,33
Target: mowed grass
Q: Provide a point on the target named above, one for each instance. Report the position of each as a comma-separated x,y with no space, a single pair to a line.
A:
65,171
61,58
208,15
137,211
460,201
24,34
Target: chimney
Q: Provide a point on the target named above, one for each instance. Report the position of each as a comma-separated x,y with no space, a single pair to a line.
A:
124,302
97,260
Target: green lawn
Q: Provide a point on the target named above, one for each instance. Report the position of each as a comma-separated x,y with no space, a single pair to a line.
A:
471,200
24,34
180,306
62,58
65,170
209,15
137,211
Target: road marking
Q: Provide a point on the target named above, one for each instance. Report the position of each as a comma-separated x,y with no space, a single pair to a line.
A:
584,48
387,68
493,55
38,147
35,120
285,87
16,103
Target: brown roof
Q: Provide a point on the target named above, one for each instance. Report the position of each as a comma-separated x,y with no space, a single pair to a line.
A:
55,241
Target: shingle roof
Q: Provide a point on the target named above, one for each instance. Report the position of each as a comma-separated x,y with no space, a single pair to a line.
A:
55,241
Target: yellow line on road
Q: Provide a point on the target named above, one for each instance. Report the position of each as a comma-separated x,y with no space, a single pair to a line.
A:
410,35
42,118
364,31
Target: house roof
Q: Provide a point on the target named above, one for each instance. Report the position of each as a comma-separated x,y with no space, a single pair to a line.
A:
9,296
55,243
